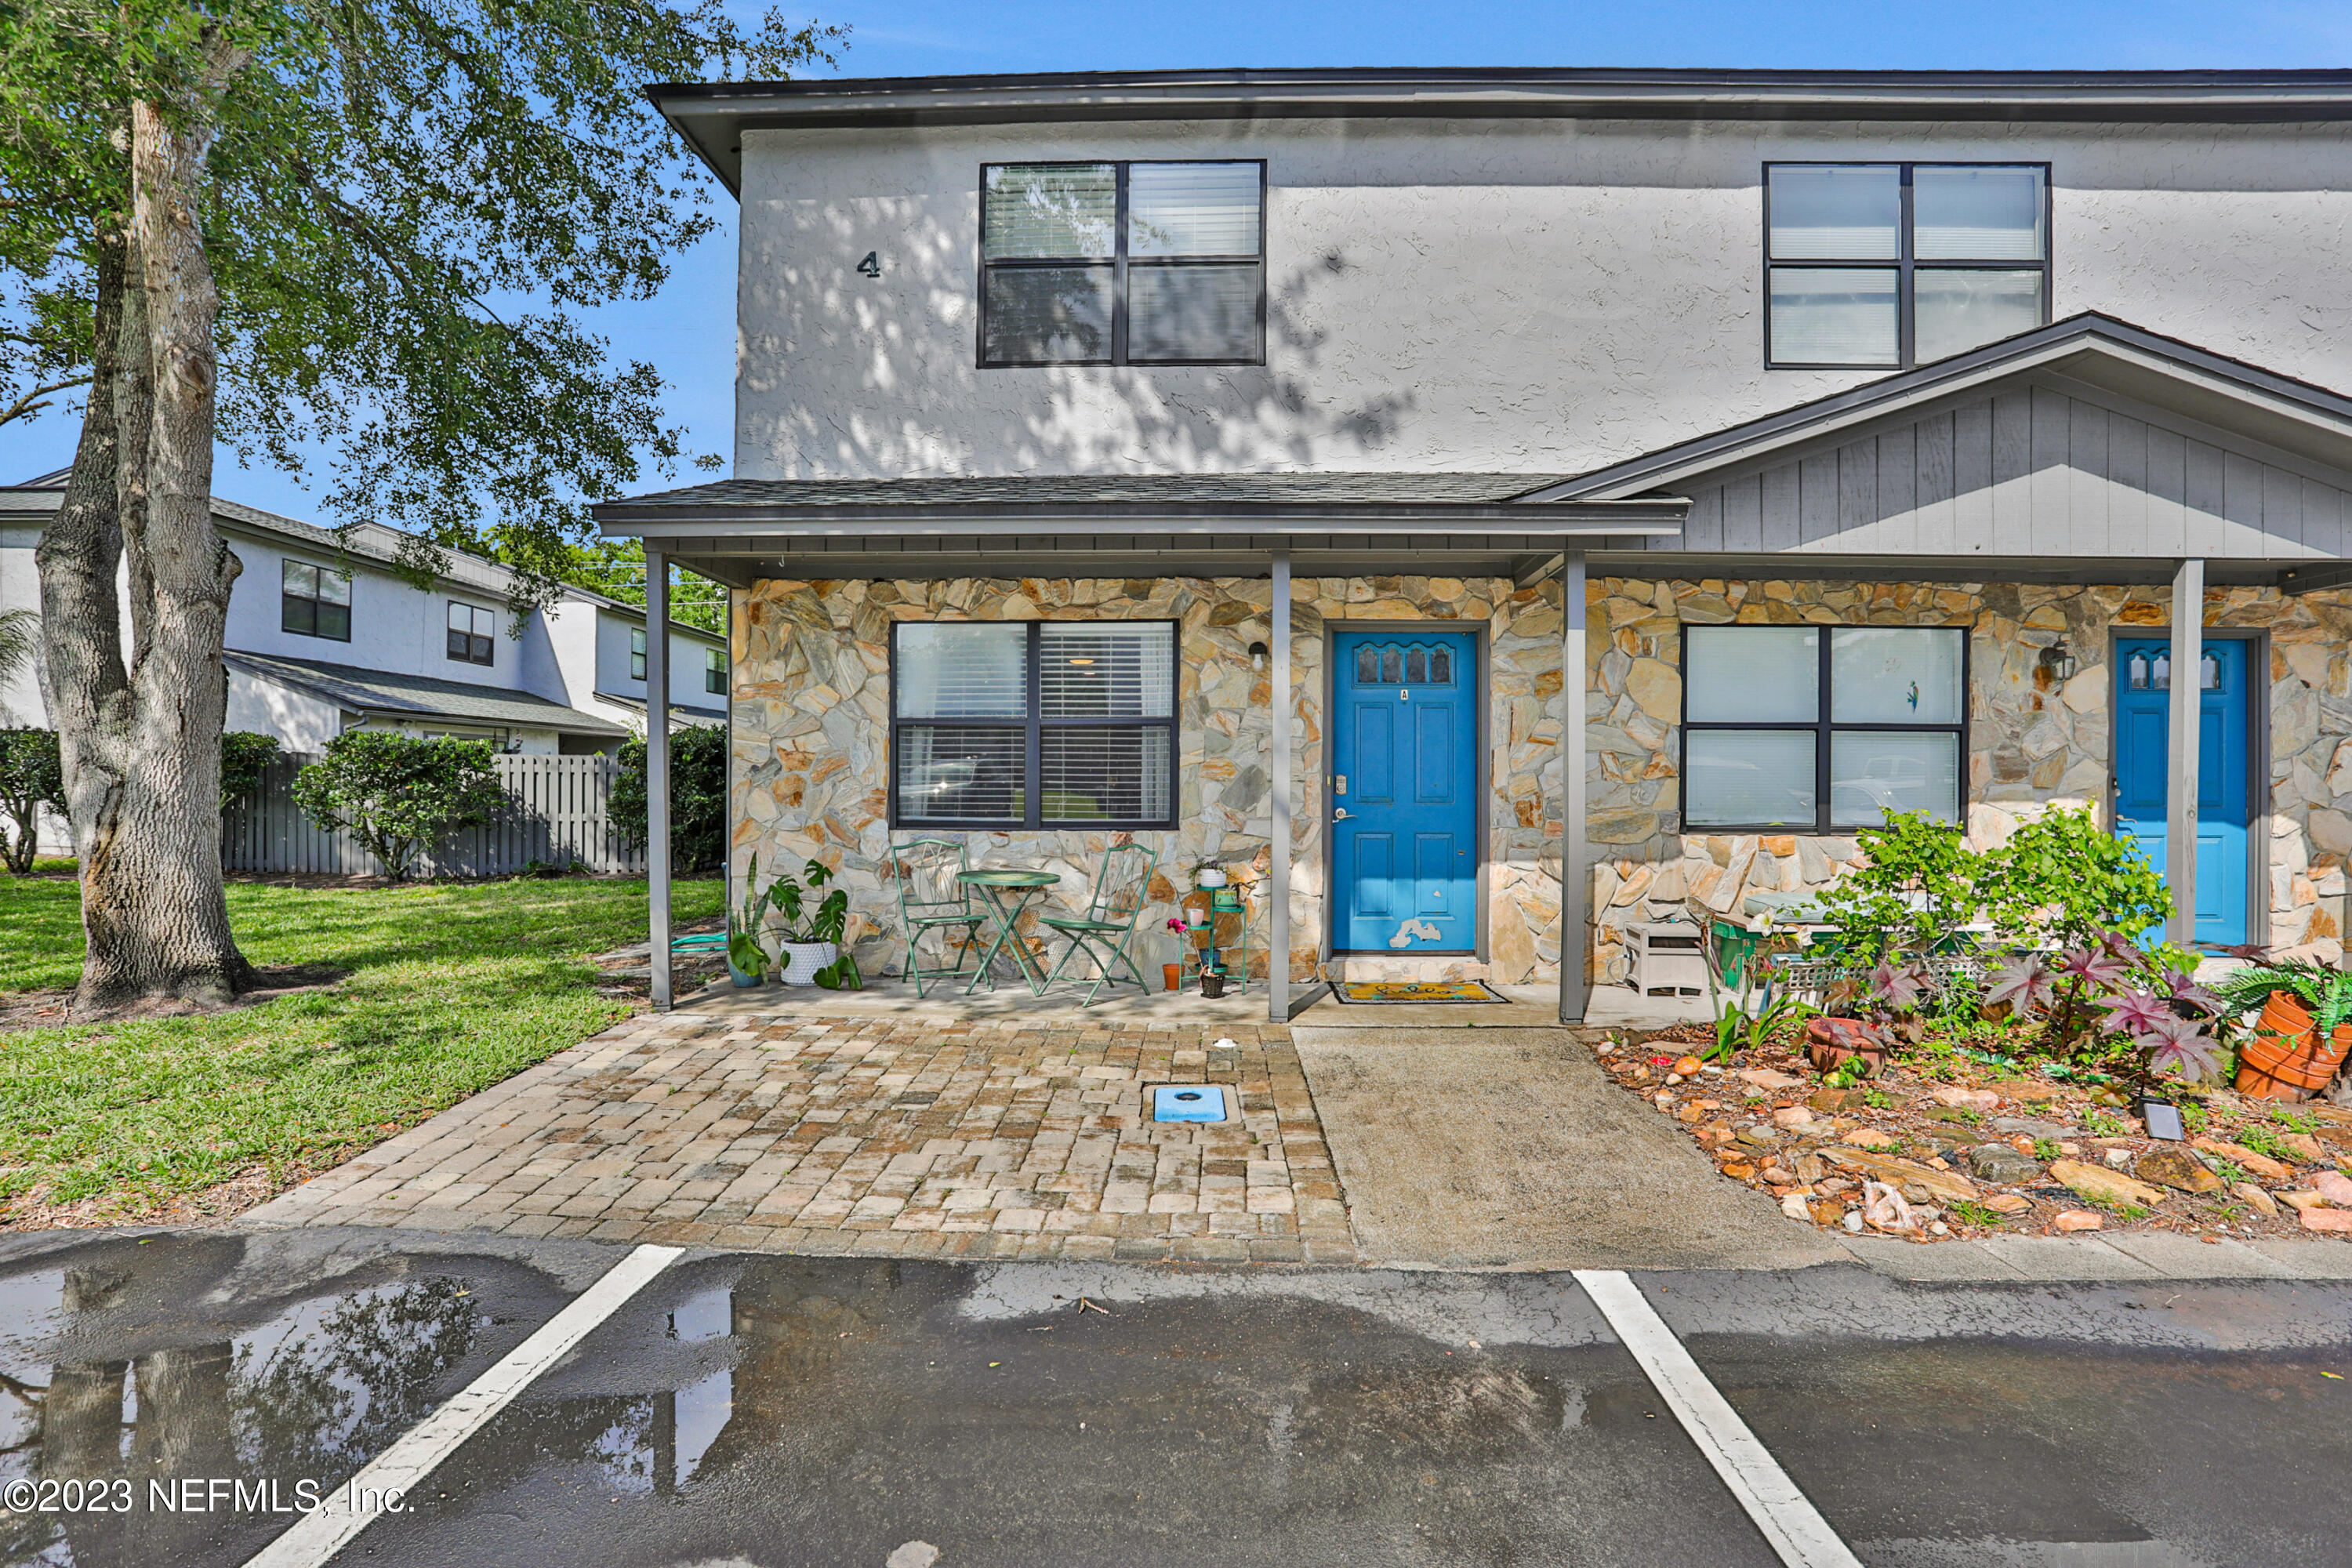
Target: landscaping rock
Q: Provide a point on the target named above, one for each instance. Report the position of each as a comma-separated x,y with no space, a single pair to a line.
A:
2303,1146
1947,1187
2104,1186
1766,1079
1792,1116
2030,1092
2030,1128
2178,1168
2001,1166
2303,1198
2008,1203
1826,1212
1737,1170
1687,1066
2337,1221
1832,1101
1983,1099
1795,1207
1810,1167
2262,1165
1870,1138
1760,1137
2335,1186
2254,1198
2073,1220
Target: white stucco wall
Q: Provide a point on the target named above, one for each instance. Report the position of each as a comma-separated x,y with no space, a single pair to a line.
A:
1537,296
20,589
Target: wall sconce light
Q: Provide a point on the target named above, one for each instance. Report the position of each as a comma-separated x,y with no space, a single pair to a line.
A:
1257,656
2057,663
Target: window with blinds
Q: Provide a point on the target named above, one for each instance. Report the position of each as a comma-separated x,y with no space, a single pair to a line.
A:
1035,724
1123,264
1892,266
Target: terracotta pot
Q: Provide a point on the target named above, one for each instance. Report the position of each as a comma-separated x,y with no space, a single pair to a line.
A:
1830,1041
2284,1058
1172,976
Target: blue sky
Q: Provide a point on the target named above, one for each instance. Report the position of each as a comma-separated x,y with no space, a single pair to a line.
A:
687,330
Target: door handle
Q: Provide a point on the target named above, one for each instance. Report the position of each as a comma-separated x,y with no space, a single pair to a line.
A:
1340,816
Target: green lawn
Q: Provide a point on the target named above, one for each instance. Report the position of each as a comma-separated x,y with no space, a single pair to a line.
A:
451,989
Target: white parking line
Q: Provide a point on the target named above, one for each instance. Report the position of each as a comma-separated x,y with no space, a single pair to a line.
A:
402,1468
1790,1523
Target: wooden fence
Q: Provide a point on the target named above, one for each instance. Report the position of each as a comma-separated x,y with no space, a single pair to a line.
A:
557,811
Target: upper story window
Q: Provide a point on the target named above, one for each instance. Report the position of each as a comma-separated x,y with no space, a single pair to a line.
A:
472,631
637,653
1123,264
1891,265
315,601
1034,723
714,671
1821,729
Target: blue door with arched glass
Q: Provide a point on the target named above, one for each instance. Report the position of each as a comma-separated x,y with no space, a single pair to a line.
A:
2144,677
1404,784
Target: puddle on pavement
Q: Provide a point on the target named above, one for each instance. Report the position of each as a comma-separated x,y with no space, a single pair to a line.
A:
147,1417
777,1411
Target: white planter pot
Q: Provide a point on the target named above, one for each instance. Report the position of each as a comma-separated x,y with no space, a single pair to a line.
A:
801,960
1209,878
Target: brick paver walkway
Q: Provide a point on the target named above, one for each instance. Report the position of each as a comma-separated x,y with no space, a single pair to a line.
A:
904,1138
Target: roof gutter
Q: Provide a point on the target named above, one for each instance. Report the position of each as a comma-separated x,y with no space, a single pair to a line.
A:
1655,516
712,116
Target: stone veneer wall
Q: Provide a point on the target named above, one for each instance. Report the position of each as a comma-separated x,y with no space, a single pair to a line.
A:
2030,746
812,726
811,694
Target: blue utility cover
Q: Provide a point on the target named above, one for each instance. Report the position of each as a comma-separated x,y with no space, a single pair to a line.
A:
1188,1102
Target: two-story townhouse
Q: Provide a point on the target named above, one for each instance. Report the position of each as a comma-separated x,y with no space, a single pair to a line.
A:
1625,485
325,633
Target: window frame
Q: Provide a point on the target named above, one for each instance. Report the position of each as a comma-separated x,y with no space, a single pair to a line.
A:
1904,263
1033,728
714,670
287,598
488,662
1118,259
1823,727
637,640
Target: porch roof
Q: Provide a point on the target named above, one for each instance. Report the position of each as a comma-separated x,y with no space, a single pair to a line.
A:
1136,525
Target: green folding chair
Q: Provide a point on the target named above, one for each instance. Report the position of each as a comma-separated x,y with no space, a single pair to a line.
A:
1122,887
932,896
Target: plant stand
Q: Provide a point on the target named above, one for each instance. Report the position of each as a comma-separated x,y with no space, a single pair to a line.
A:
1221,947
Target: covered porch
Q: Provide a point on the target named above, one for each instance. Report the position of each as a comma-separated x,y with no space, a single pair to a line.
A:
1254,574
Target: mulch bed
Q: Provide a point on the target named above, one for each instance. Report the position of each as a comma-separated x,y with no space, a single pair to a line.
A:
1974,1151
52,1009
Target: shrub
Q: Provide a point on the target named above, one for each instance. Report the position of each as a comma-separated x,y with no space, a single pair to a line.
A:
698,795
398,794
30,778
2065,881
245,757
1919,884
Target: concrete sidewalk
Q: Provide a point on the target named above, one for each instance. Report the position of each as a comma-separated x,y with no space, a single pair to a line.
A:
1509,1149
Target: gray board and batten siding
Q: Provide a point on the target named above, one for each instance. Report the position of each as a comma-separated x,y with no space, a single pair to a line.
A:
2034,471
558,810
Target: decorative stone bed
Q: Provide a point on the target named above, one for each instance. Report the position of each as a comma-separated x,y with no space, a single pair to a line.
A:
1952,1147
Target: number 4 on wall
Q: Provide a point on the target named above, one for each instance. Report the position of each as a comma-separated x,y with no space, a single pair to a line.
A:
872,266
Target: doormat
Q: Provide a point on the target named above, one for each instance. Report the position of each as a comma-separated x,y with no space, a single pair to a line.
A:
1384,993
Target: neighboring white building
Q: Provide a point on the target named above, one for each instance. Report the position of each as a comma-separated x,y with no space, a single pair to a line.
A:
324,635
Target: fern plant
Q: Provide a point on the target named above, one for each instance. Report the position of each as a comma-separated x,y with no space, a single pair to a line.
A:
2327,993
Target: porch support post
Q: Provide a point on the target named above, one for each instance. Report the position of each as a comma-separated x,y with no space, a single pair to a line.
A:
2180,786
1575,883
1277,958
657,769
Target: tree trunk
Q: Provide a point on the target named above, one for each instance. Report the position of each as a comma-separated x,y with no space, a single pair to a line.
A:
141,744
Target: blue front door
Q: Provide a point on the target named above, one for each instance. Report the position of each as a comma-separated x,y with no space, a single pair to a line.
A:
2144,677
1404,780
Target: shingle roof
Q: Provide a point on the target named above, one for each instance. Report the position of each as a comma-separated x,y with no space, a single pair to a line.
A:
1087,490
378,691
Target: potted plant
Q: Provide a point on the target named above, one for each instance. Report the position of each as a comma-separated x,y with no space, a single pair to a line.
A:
2300,1041
809,939
1208,874
747,961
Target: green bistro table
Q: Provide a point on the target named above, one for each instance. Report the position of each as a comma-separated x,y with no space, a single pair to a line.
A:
1007,892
